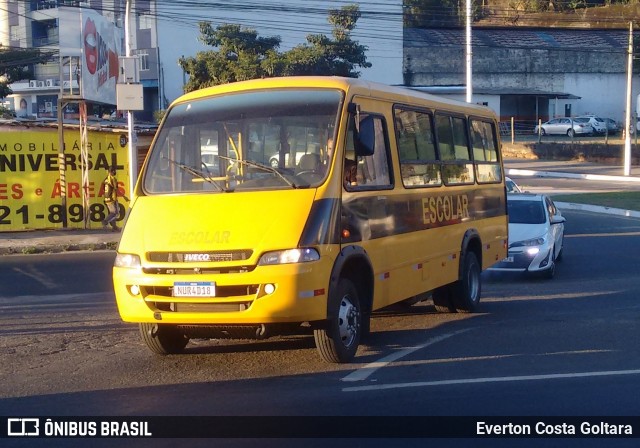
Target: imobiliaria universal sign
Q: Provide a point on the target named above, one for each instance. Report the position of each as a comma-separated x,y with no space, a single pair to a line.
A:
30,190
92,37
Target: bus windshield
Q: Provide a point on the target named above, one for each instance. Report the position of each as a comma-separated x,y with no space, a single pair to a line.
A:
256,140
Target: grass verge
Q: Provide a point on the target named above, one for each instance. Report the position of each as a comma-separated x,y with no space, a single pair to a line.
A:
626,200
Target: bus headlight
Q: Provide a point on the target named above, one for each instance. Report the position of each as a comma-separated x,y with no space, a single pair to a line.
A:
127,261
289,256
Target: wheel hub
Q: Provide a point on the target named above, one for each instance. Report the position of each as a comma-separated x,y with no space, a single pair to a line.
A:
347,321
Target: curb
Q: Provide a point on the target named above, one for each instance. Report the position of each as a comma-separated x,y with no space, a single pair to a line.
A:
35,248
604,177
598,209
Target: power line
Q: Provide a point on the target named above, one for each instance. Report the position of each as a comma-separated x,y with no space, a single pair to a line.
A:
188,13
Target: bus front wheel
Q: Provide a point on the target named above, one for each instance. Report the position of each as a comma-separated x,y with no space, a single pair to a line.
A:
466,291
163,339
337,341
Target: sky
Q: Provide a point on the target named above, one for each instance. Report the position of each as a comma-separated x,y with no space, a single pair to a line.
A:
379,28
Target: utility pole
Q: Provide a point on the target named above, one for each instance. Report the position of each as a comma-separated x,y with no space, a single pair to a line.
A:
468,55
628,124
133,151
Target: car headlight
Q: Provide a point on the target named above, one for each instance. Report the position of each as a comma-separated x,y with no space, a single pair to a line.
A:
532,242
127,261
289,256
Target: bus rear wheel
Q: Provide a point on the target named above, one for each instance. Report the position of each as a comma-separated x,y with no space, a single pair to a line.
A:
466,291
163,339
337,341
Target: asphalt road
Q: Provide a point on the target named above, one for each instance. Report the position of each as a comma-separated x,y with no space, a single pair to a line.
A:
564,347
53,274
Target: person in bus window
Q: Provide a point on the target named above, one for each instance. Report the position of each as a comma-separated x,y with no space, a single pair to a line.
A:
350,172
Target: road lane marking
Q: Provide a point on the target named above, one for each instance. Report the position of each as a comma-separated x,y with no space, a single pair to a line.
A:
502,379
368,370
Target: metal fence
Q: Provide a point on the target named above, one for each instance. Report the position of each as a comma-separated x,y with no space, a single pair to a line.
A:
523,131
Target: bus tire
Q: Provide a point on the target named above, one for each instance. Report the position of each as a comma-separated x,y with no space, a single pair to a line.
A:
466,291
442,300
337,341
163,339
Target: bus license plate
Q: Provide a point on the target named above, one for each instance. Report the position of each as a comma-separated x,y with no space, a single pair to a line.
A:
194,289
507,260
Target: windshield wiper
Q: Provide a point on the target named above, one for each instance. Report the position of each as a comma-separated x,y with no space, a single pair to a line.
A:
195,173
267,168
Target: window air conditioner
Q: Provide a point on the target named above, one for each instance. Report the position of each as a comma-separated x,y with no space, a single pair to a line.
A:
40,83
50,83
33,83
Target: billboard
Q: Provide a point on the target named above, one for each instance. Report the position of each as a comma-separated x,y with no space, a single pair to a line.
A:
30,191
87,34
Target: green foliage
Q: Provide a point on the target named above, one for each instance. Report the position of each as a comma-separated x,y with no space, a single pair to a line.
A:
448,13
6,113
432,13
242,55
158,115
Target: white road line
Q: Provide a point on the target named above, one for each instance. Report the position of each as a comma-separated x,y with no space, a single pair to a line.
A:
503,379
366,371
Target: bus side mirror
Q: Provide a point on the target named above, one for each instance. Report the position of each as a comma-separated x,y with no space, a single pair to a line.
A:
365,138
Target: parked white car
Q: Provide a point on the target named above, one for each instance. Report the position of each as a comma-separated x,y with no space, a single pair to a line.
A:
598,124
564,126
536,234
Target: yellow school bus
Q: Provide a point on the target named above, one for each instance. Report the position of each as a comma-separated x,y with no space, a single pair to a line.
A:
303,204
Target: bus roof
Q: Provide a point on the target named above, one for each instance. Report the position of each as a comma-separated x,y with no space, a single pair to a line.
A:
352,86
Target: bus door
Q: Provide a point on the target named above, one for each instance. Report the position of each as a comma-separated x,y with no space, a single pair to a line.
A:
367,184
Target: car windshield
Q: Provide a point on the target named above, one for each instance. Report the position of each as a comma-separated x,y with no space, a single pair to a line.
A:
244,141
581,120
526,212
511,186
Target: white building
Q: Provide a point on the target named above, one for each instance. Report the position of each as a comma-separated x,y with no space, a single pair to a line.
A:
525,73
37,24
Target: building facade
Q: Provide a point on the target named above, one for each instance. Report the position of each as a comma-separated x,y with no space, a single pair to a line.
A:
525,73
36,24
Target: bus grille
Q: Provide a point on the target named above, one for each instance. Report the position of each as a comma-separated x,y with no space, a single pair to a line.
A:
190,307
219,256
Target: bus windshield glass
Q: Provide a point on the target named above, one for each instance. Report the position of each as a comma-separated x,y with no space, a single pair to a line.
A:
258,140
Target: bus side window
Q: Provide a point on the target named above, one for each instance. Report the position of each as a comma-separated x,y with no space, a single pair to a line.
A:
485,151
454,150
419,164
373,170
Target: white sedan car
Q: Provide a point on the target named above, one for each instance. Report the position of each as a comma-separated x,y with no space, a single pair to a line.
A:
564,126
512,187
536,234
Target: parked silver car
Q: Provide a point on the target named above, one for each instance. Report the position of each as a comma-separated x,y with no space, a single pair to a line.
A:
612,125
633,129
564,126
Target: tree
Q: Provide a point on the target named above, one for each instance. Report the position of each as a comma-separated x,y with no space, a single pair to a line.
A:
241,54
16,64
324,56
431,13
